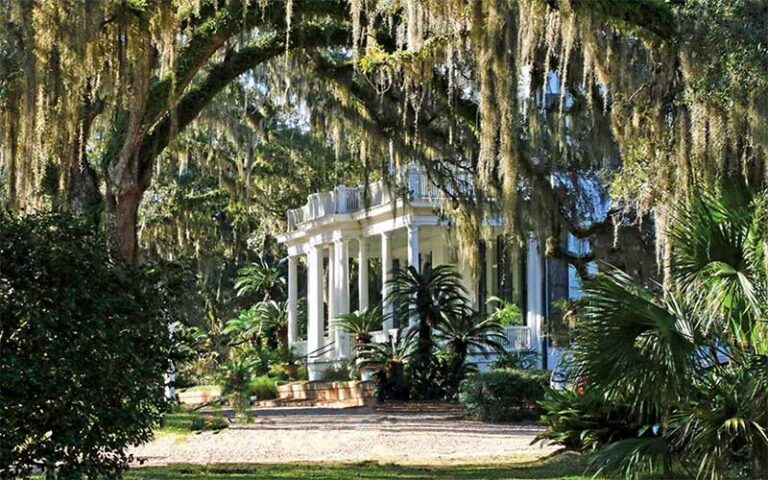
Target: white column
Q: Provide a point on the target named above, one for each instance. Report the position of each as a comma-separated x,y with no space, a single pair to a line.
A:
413,246
362,274
341,287
413,259
331,293
293,305
386,275
314,298
535,313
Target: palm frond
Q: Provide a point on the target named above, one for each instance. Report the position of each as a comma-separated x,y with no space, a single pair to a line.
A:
629,332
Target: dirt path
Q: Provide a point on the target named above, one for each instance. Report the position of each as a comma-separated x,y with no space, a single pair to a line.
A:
346,435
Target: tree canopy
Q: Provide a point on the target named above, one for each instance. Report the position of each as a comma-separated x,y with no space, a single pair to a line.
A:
588,117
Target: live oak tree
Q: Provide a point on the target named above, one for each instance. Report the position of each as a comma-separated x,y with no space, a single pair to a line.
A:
551,106
146,69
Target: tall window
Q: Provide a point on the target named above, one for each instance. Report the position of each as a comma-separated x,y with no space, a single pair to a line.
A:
510,274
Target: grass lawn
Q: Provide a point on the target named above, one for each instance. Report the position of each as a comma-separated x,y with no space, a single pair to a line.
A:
560,467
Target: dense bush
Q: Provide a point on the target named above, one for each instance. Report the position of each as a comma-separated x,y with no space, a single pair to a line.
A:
85,344
503,395
263,387
584,421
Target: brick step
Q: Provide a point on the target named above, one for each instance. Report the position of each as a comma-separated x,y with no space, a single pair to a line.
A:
354,392
281,402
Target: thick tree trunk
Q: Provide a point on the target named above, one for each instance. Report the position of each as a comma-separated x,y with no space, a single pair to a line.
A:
122,222
83,197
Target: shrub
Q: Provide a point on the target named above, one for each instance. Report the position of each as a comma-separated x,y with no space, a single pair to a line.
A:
235,378
263,387
507,313
503,395
516,360
84,344
584,421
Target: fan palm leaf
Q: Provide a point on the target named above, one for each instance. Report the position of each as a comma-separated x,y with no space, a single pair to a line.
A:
719,260
634,345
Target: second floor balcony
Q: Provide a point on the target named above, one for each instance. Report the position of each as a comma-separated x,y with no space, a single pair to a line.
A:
412,183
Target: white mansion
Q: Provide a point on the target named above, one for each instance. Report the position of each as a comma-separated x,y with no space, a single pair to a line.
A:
388,232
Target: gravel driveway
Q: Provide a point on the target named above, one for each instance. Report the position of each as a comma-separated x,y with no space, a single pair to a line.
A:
282,435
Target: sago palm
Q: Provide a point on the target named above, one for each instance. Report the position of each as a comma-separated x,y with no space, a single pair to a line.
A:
360,324
464,334
262,279
389,359
429,296
274,315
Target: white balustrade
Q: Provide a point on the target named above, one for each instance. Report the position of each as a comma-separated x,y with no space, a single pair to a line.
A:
350,199
517,339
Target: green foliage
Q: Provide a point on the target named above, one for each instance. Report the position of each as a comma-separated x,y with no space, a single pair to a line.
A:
361,324
389,359
85,344
505,312
260,279
263,387
720,259
584,421
432,295
516,360
503,395
461,335
628,331
684,360
725,422
265,322
235,377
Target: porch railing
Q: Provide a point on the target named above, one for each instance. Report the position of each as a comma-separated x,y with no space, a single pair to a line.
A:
517,338
345,199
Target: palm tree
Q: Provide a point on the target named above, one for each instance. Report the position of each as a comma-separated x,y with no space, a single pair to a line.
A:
636,343
255,322
687,357
247,327
360,324
462,334
431,296
260,278
720,261
274,315
390,359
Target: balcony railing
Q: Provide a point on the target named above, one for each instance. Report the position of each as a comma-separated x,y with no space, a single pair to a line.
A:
517,339
345,199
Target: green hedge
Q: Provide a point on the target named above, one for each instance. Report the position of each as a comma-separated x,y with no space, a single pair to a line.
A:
503,395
